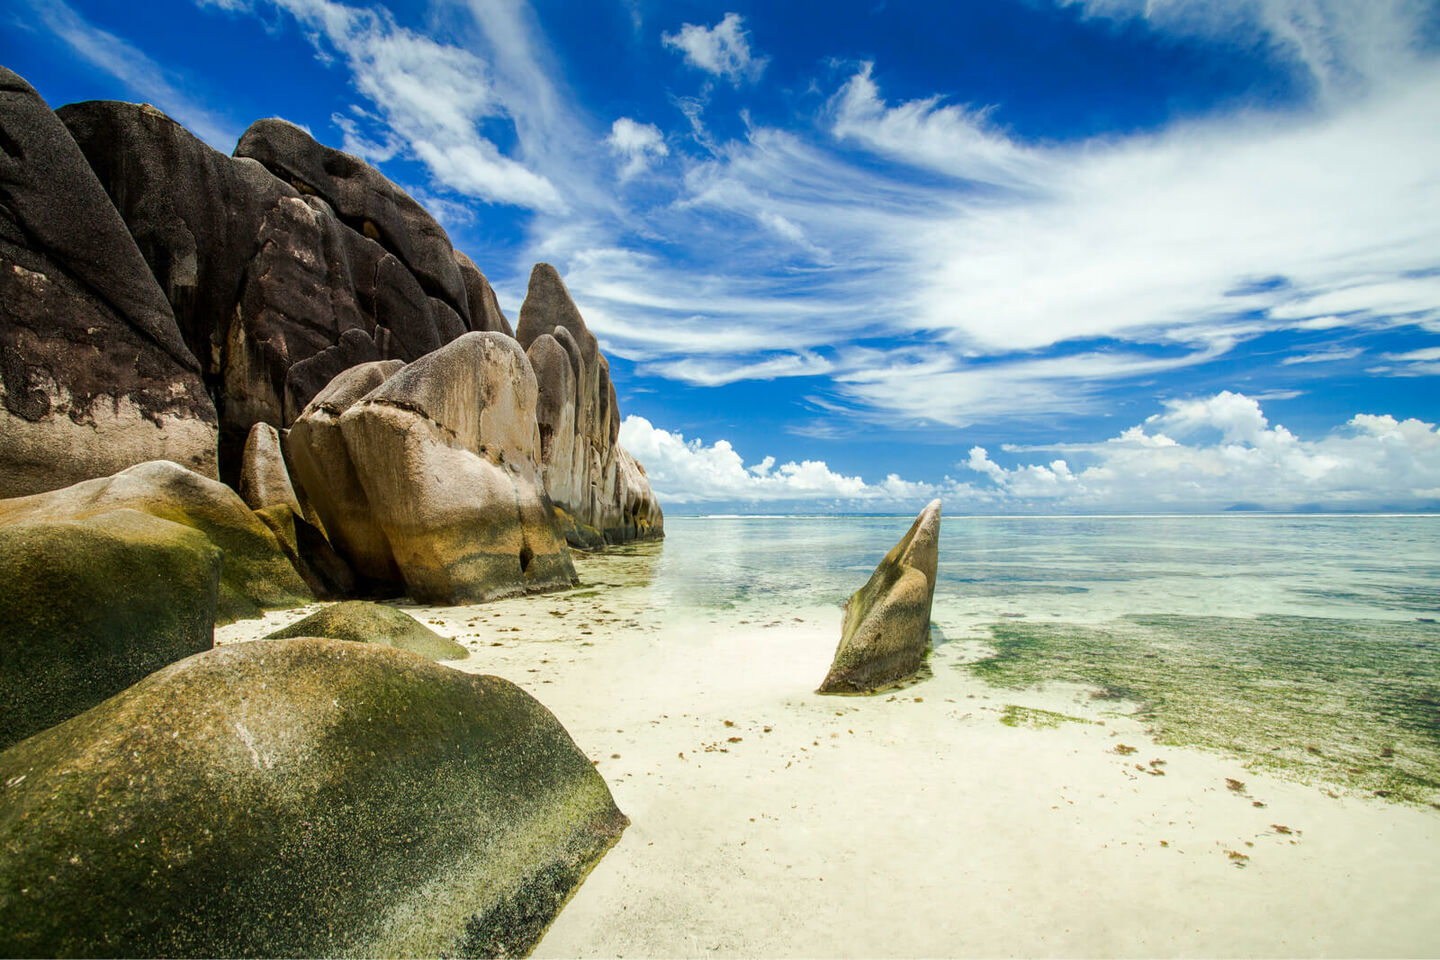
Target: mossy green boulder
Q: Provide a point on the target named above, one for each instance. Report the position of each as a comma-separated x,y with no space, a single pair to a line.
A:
307,797
366,622
886,630
255,573
89,607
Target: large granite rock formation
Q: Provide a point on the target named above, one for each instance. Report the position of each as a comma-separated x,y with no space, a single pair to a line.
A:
886,630
365,622
602,491
298,798
90,606
255,573
285,265
436,465
94,374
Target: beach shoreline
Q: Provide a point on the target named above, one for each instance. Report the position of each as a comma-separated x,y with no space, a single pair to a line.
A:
942,818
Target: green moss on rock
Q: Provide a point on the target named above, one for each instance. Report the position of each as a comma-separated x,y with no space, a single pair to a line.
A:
89,607
365,622
255,574
306,797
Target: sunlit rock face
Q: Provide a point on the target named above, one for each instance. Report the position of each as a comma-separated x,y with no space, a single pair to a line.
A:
886,631
601,491
430,477
94,374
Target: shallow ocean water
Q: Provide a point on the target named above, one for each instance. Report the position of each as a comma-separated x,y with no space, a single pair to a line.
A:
1306,645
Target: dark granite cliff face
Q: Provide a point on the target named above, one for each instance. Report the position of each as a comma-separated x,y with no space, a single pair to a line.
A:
94,375
165,302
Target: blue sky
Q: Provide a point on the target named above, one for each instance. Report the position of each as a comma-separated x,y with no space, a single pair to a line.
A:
1027,255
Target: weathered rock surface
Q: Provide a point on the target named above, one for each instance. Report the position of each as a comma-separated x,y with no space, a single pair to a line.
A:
443,451
272,290
255,572
329,480
886,630
94,373
90,606
298,798
586,471
365,622
264,478
485,312
367,202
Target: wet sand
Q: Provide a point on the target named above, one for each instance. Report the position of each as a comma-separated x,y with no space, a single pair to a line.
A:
769,821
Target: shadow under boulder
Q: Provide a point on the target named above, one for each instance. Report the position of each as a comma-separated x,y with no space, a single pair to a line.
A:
88,607
298,797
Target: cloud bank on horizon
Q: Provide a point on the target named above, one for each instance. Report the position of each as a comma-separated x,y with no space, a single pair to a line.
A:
921,256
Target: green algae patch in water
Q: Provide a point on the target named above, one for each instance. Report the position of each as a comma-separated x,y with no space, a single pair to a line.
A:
1015,715
1354,704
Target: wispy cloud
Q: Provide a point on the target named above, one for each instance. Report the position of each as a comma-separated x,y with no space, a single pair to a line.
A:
428,95
722,50
130,65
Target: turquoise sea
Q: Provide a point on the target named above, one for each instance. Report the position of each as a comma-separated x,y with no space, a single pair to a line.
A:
1307,645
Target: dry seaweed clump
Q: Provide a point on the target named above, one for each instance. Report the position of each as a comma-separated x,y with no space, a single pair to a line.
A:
299,797
1354,704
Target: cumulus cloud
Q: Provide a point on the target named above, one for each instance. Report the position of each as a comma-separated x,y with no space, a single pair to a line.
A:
637,144
1212,452
690,471
722,50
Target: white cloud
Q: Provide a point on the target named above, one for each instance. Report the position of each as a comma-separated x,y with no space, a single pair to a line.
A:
952,139
430,96
637,144
689,472
138,72
1323,356
1226,453
1411,363
722,50
1338,43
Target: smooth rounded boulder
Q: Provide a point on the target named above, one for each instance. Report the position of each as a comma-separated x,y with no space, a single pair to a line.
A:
256,573
366,622
90,606
886,630
303,797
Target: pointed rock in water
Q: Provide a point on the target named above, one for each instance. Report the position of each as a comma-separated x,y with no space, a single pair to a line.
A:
306,797
94,373
886,630
430,477
365,622
256,572
600,488
90,606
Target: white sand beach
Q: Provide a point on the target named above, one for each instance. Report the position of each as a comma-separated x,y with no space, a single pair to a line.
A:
768,821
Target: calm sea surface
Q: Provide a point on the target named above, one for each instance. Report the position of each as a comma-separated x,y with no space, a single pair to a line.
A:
1083,569
1305,645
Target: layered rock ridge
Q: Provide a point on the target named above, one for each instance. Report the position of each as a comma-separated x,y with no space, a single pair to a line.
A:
601,491
886,631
